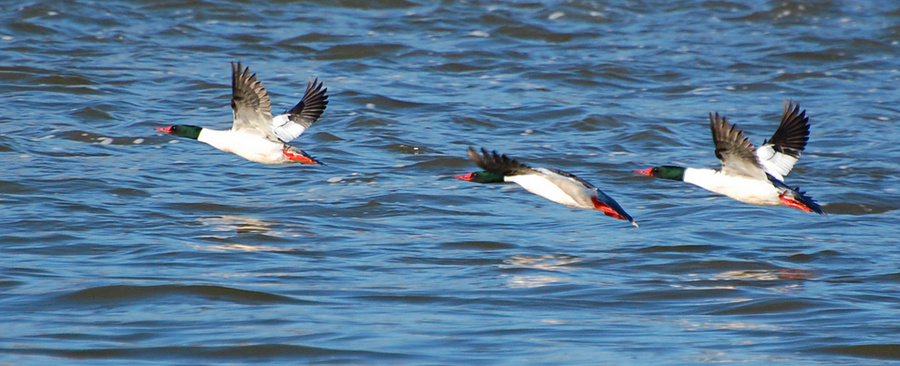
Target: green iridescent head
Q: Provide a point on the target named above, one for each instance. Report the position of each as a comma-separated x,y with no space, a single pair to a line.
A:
191,132
481,177
664,171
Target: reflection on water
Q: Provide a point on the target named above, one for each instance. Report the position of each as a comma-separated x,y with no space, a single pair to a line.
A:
550,262
240,225
240,248
768,275
530,281
233,225
556,263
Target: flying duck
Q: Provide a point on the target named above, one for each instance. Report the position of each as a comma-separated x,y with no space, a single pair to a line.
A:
256,135
754,176
552,184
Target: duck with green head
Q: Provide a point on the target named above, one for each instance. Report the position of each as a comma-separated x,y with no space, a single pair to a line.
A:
255,134
749,175
552,184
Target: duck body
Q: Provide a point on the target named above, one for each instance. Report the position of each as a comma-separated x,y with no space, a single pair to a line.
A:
555,185
255,134
254,148
744,189
749,175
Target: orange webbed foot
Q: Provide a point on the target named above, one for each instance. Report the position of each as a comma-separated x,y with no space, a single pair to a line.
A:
300,158
790,202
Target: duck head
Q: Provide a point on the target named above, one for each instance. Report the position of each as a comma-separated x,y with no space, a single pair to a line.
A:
664,171
181,131
481,177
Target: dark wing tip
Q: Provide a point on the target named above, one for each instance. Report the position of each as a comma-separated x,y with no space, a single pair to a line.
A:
239,73
473,155
247,91
317,94
311,106
314,90
719,127
732,147
792,134
494,162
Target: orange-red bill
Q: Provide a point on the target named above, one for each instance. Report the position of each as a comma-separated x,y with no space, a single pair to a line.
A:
648,172
466,177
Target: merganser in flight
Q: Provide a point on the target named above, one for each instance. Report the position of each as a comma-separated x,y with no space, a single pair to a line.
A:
555,185
747,175
255,134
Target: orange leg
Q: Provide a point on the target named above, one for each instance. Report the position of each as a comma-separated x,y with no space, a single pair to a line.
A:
789,202
608,211
302,159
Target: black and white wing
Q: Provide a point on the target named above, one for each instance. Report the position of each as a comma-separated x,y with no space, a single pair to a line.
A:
293,122
779,153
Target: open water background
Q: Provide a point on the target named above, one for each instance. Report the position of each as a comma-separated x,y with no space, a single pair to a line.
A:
122,245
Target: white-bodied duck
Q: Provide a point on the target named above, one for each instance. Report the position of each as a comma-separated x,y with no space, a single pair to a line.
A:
754,176
256,135
552,184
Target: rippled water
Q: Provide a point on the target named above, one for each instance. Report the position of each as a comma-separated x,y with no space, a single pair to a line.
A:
124,245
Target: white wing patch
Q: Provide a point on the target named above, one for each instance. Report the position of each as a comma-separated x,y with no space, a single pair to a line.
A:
775,163
286,130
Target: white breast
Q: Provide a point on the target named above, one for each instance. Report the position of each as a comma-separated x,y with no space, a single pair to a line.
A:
747,190
543,187
251,147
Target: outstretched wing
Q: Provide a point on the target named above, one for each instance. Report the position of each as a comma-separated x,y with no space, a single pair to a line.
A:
568,175
734,150
249,101
295,121
779,154
496,163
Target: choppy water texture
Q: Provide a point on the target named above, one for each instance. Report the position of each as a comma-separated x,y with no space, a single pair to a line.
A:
122,245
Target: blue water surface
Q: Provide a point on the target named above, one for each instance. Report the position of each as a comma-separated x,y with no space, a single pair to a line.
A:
123,245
